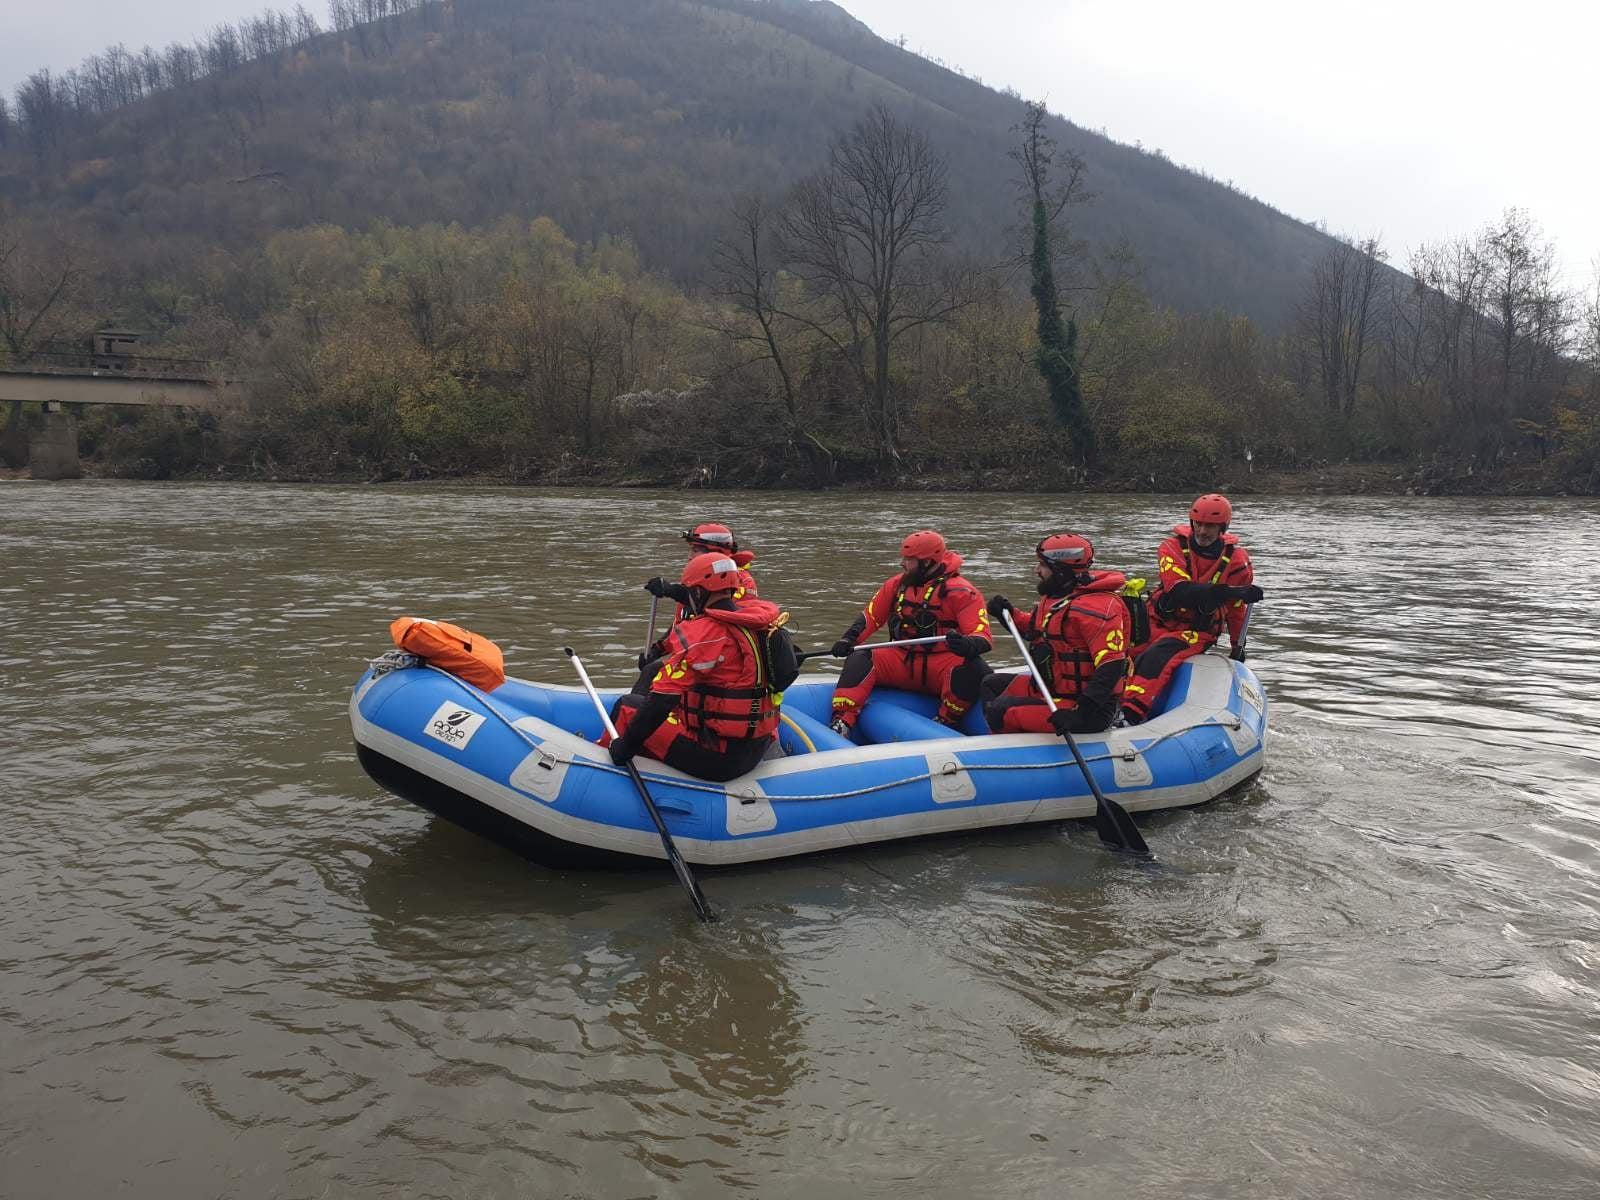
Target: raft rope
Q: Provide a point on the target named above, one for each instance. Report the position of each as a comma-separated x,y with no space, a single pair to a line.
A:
691,785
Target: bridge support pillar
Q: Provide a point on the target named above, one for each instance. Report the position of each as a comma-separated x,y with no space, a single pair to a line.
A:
13,437
53,452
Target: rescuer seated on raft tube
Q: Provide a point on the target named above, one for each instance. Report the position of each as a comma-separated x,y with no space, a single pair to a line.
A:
929,597
1206,581
708,711
1078,634
708,537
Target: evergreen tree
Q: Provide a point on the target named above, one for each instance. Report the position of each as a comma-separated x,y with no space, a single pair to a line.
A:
1057,356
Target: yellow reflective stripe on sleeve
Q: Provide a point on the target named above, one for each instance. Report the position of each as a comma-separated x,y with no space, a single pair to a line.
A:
672,670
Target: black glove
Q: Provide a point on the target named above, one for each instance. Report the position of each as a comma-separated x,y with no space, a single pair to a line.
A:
657,649
843,647
620,751
967,647
999,606
1249,593
667,590
1082,719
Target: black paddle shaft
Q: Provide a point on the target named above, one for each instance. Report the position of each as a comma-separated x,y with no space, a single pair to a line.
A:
679,867
1111,820
1237,652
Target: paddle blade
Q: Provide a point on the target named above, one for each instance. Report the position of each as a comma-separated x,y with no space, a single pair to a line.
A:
1117,830
702,907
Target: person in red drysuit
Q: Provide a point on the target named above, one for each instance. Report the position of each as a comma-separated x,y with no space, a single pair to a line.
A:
708,537
709,710
1078,635
929,597
1206,582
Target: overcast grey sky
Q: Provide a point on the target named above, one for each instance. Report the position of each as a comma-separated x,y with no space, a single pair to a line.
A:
1413,120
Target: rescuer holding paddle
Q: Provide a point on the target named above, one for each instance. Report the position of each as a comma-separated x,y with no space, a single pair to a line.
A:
710,709
1078,634
929,598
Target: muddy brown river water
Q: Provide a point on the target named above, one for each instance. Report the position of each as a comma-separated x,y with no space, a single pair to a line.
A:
231,966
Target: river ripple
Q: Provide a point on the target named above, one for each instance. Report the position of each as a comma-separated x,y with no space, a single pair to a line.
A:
233,967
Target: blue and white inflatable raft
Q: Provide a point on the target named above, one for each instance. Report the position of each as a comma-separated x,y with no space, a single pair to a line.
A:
521,766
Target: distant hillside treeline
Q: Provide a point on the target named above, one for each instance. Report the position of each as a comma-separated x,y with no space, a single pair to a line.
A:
636,118
512,344
514,351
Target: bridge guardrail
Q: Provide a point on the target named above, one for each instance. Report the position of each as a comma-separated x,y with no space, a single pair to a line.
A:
82,362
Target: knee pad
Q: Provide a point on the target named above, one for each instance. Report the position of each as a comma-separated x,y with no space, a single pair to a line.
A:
993,685
967,679
855,668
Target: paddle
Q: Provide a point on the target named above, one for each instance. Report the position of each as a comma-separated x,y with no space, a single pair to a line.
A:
1237,653
922,641
1111,820
650,634
681,868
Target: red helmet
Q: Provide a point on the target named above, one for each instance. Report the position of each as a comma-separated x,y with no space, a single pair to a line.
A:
708,535
1211,509
711,572
924,543
1066,551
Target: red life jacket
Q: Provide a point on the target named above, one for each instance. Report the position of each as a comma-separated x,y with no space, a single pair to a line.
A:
1058,646
1201,569
717,656
922,609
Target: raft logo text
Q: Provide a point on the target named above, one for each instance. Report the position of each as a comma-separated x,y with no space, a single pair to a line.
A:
453,725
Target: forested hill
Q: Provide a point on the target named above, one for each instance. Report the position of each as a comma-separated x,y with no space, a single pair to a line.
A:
643,118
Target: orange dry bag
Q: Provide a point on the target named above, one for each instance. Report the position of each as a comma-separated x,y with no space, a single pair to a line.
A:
451,648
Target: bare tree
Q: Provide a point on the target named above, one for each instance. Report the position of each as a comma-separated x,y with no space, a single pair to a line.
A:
1337,319
305,24
41,110
1589,342
1494,330
38,279
1532,316
741,262
1056,179
865,234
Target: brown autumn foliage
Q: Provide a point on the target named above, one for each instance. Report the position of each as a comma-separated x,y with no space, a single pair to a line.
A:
327,212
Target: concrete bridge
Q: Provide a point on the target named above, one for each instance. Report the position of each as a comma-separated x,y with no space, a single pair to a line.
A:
64,382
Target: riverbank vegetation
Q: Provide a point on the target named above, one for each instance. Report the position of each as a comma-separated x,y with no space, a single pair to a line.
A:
834,332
